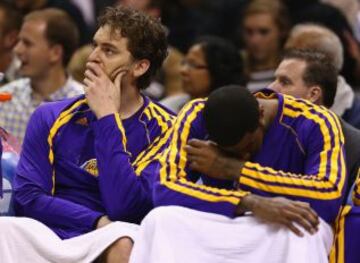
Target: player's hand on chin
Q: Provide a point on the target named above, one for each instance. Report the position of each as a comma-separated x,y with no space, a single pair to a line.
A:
102,94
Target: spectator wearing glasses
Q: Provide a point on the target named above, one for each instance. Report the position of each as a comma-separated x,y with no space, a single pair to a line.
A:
210,62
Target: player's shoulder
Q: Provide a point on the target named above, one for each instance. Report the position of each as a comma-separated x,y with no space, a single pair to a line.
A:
51,111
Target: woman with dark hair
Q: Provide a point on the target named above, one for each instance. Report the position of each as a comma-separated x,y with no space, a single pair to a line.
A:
210,62
265,26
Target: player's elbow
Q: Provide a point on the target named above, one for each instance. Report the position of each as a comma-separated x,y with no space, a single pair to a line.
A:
116,212
128,210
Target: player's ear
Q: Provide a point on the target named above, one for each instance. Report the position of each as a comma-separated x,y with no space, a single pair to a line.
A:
315,94
140,67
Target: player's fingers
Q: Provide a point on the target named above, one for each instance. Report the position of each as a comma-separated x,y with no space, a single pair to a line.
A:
95,68
197,143
294,229
297,217
192,150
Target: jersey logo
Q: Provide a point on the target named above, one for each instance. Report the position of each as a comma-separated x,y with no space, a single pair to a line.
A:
82,121
91,167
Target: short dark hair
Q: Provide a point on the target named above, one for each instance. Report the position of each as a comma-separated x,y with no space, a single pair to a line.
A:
60,30
13,17
319,71
224,62
147,37
230,112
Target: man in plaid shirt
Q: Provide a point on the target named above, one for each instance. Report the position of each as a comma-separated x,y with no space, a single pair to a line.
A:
46,42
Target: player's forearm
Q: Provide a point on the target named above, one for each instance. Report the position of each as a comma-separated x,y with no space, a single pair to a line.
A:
306,185
165,195
122,191
56,212
125,196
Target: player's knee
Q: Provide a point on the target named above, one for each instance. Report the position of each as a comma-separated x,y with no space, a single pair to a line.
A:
119,251
8,225
158,215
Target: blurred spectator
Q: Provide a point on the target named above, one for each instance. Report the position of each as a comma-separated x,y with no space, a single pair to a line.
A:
72,10
265,26
318,38
168,82
312,36
10,23
77,64
329,16
88,11
210,63
349,8
150,7
47,40
171,73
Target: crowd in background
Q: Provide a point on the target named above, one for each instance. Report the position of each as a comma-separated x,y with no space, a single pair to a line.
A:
258,29
309,49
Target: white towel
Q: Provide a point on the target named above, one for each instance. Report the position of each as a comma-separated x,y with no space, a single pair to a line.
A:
27,240
176,234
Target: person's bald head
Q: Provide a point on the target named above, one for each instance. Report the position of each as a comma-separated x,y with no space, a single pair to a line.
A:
319,38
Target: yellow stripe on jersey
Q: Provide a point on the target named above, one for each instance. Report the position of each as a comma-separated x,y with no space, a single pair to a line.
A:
334,123
324,131
145,154
167,116
201,195
290,191
356,193
338,124
159,119
152,152
147,113
121,129
262,95
176,180
337,253
183,140
268,174
253,171
63,118
338,138
210,189
174,150
341,243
